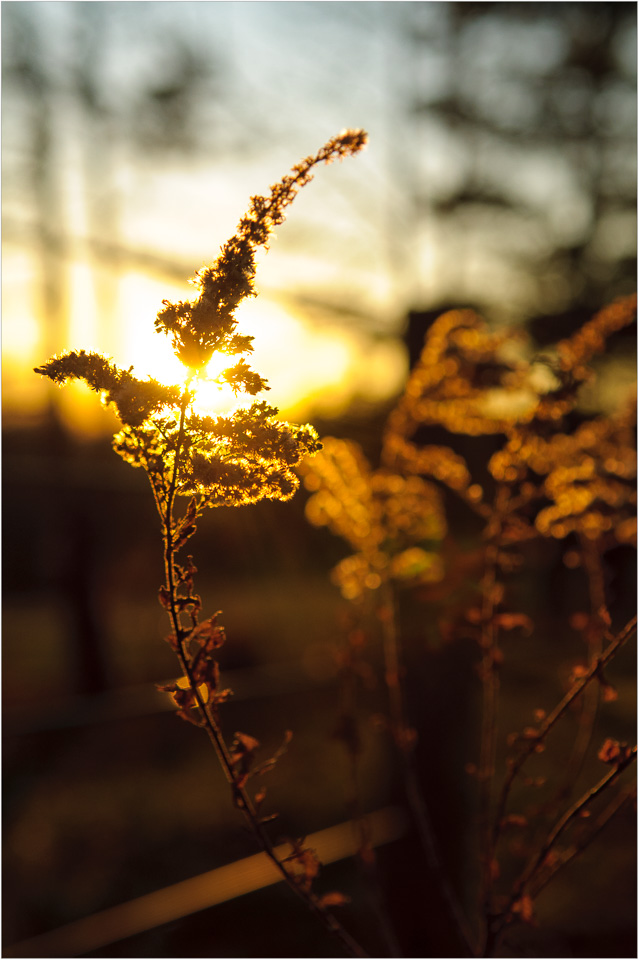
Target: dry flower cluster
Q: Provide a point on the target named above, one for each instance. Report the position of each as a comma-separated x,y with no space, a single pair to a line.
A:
568,479
212,461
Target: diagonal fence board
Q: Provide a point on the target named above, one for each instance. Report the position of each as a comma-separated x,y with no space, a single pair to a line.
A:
205,890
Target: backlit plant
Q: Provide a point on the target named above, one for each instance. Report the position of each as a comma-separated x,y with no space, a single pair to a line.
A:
211,461
552,478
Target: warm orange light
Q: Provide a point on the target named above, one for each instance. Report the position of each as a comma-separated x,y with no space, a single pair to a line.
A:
311,370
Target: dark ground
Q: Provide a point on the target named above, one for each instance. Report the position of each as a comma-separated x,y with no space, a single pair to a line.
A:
108,796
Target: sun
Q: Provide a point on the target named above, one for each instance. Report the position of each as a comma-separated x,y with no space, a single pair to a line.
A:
151,355
211,397
312,369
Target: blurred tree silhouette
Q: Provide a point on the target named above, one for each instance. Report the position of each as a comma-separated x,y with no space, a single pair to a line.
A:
505,139
49,93
75,92
535,107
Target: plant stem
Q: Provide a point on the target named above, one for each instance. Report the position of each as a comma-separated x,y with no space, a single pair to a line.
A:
517,763
495,923
394,671
209,721
490,689
570,853
571,814
594,635
361,825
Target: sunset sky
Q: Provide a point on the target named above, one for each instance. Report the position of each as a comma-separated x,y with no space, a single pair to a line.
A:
137,205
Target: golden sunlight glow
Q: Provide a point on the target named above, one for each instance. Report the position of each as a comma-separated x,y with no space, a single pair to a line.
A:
210,397
311,370
82,312
307,368
150,353
301,364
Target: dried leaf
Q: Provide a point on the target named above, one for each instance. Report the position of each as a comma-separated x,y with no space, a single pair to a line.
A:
609,693
165,598
186,574
333,899
270,818
613,752
524,907
270,763
307,862
221,696
184,534
184,699
205,670
208,634
242,750
514,820
510,621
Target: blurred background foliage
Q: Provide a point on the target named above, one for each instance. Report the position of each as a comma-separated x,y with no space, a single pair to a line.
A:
501,174
501,171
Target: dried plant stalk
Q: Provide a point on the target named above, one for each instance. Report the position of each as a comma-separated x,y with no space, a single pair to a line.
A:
550,480
214,461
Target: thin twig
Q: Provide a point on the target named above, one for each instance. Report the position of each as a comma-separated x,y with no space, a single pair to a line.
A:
490,689
549,722
569,854
369,866
564,821
498,922
361,823
595,630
